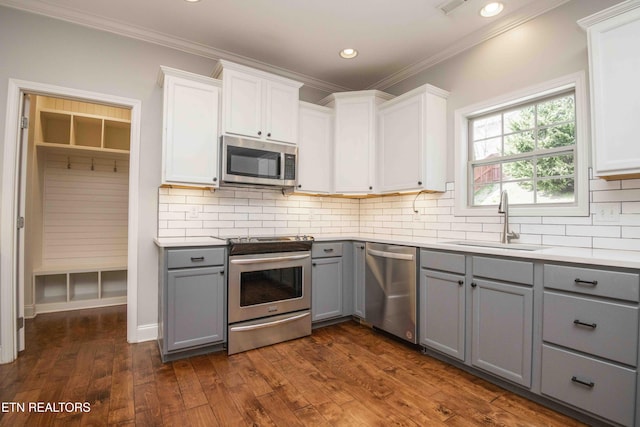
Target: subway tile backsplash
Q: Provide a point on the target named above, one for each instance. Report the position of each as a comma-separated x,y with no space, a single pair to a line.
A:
241,212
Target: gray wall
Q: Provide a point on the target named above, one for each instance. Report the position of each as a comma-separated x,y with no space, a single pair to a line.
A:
550,46
39,49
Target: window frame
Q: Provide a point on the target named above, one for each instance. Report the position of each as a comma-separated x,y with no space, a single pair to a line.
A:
463,203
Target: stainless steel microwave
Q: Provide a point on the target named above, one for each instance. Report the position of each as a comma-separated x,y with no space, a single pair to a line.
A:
249,161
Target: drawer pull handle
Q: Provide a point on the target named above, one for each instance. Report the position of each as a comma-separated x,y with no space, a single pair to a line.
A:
197,258
590,325
460,282
586,282
328,249
589,384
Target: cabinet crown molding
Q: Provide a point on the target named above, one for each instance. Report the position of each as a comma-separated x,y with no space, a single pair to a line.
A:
164,71
608,13
222,65
381,96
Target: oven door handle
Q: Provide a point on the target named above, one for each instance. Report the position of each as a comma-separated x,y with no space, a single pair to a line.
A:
268,324
265,260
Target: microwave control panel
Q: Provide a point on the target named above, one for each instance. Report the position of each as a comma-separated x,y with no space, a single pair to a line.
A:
289,167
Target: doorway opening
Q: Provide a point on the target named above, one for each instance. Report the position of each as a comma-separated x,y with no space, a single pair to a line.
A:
69,206
76,205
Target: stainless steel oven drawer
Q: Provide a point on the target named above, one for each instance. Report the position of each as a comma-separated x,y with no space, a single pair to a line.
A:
201,257
266,331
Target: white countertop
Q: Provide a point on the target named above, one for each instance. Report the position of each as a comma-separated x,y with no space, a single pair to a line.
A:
601,257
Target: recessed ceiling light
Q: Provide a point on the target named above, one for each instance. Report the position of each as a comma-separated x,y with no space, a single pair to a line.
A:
491,9
348,53
192,1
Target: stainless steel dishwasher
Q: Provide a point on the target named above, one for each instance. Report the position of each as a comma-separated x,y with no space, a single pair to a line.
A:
390,289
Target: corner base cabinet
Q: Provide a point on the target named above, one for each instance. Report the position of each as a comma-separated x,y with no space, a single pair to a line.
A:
192,309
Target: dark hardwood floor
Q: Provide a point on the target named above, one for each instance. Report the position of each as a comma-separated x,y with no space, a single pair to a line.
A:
343,375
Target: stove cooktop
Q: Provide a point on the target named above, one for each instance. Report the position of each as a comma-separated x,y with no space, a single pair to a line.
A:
269,244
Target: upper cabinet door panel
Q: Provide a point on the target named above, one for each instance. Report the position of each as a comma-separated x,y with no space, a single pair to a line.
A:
242,95
315,141
190,140
412,141
353,148
400,148
615,89
281,112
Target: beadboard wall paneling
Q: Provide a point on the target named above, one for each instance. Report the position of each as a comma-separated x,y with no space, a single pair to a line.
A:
261,212
84,211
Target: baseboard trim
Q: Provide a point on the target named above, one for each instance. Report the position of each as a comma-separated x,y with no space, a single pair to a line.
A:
147,332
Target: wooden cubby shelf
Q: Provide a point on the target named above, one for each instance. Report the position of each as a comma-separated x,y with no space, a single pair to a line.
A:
83,131
58,289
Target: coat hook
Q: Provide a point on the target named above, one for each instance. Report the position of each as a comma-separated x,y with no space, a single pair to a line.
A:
115,166
68,163
92,166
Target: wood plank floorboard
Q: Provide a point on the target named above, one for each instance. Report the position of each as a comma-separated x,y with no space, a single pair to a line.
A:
342,375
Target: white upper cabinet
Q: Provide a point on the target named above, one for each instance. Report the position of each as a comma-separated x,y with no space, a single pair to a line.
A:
354,145
315,149
614,61
411,141
258,104
190,131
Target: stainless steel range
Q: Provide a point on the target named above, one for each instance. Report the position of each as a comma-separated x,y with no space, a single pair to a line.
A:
269,290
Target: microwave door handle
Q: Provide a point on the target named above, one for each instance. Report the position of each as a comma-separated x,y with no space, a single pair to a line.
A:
282,165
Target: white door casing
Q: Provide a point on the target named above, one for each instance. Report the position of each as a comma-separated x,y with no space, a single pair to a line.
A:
9,198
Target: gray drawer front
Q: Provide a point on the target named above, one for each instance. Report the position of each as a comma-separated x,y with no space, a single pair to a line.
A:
612,284
326,250
202,257
613,333
444,261
614,387
507,270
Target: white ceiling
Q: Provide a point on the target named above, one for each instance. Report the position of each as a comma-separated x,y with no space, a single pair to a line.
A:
301,38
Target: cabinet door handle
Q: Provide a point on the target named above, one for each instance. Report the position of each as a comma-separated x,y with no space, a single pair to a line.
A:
589,384
419,182
299,185
269,134
197,258
586,282
259,132
590,325
313,264
474,284
370,188
328,249
362,247
222,272
460,282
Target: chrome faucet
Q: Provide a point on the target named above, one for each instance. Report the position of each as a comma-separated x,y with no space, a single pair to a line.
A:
503,208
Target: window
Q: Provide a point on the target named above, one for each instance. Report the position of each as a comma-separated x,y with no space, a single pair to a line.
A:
530,144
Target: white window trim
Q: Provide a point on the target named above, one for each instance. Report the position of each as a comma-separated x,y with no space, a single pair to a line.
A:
574,81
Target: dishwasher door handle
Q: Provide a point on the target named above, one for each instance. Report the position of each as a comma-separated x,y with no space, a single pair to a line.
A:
392,255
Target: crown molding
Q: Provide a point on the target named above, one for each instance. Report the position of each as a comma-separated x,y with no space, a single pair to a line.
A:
92,21
511,21
608,13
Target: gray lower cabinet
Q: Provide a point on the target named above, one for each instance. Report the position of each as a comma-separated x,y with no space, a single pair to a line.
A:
590,340
358,279
192,312
326,281
502,318
442,308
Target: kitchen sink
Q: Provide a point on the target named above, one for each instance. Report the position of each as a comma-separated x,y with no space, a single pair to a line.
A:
512,246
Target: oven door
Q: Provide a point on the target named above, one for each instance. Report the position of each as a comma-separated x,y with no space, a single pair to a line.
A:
268,284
